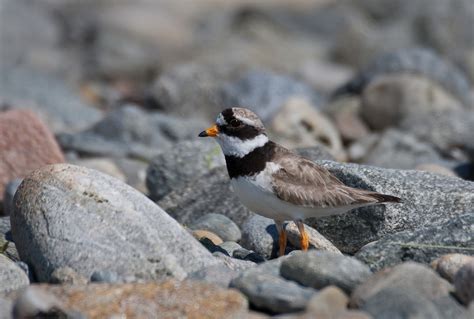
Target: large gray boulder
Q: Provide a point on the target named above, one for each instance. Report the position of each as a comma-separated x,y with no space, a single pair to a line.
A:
428,200
180,164
70,216
422,245
210,193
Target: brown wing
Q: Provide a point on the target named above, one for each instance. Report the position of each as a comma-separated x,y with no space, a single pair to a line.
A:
304,183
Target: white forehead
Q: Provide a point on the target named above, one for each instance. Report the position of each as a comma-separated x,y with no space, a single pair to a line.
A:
220,120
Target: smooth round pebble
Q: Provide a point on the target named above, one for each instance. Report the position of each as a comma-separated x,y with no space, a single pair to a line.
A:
220,225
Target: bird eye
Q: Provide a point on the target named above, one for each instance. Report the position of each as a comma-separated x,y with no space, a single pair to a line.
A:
235,123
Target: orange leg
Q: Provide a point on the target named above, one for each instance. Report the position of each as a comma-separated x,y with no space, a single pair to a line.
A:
281,237
304,235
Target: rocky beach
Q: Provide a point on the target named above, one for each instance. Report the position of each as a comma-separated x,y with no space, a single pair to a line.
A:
112,207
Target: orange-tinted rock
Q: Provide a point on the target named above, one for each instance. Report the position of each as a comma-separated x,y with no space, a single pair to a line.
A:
25,144
167,299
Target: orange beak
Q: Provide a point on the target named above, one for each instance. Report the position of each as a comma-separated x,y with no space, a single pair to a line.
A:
210,132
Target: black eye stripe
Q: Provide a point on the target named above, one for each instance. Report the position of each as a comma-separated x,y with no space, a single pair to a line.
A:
242,131
235,123
228,115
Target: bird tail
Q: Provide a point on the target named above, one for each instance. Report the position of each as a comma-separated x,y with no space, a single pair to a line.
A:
382,198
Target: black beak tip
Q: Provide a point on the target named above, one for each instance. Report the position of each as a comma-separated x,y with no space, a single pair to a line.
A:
202,134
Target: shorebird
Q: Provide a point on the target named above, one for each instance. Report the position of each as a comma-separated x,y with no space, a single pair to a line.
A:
274,182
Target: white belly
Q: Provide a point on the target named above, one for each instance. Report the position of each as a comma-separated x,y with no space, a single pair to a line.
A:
256,195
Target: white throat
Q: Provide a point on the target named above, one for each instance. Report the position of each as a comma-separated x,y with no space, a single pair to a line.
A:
234,146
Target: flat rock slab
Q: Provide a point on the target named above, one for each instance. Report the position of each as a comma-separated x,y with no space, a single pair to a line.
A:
266,290
70,216
167,299
319,269
408,276
422,245
428,200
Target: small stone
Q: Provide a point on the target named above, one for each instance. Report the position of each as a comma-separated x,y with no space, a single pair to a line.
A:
395,302
327,303
409,276
316,240
12,276
448,265
319,269
67,275
299,124
464,283
260,235
230,247
26,144
200,234
220,225
234,263
266,290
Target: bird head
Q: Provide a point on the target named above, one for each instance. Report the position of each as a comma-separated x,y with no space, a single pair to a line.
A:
238,131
